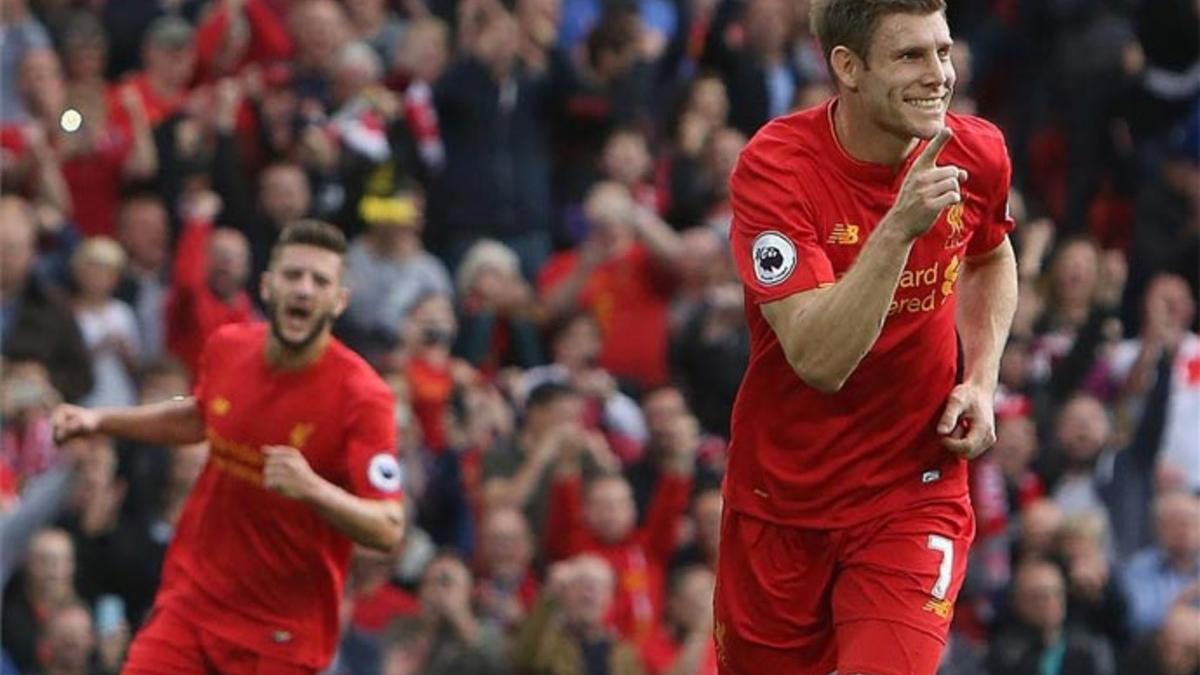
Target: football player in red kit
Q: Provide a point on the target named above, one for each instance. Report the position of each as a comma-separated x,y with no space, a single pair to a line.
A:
301,466
871,236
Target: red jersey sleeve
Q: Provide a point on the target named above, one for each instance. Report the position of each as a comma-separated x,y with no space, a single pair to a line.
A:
774,238
371,460
669,504
992,232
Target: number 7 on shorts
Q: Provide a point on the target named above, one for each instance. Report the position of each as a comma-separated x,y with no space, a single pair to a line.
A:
945,568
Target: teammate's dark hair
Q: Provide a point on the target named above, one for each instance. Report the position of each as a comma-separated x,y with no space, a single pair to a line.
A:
852,23
309,232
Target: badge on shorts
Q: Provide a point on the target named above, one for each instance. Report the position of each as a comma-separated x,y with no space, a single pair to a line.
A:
774,258
384,472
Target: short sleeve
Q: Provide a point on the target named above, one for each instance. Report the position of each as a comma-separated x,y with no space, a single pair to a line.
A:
998,221
773,238
372,463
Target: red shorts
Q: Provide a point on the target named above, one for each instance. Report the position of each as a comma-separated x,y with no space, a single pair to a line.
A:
170,645
876,598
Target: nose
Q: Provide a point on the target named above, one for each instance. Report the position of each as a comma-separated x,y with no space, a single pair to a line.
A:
946,73
304,286
939,72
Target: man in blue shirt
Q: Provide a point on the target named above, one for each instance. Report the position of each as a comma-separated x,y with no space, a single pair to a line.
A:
1158,576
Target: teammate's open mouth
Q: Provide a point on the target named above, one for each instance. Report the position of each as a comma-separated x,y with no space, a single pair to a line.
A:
297,313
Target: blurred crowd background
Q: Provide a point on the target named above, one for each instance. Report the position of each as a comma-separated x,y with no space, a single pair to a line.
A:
535,191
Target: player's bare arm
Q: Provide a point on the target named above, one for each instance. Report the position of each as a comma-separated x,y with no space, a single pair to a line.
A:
986,304
826,332
169,423
377,524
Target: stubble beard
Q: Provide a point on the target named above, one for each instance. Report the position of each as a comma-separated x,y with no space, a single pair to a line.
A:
324,321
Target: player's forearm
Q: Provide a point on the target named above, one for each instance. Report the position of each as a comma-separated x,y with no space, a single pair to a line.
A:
832,334
174,422
372,523
986,304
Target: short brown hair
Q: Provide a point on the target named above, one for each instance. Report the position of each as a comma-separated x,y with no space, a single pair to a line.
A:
852,23
311,232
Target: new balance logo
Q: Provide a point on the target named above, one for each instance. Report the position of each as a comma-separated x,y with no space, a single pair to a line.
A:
942,608
843,235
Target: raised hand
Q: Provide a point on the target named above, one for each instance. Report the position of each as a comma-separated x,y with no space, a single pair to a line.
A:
927,189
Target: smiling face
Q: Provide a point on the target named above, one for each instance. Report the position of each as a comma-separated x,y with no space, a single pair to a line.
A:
905,80
303,292
894,73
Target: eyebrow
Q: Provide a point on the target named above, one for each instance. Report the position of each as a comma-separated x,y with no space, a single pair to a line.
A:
910,48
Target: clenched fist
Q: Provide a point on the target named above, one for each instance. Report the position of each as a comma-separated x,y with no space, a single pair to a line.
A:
71,421
288,473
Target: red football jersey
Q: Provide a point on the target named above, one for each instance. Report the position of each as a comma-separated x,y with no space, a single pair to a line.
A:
256,568
802,210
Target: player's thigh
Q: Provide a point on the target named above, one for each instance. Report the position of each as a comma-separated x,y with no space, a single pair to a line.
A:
894,597
772,602
879,647
166,645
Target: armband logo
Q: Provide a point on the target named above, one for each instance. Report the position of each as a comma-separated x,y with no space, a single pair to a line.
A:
774,258
384,472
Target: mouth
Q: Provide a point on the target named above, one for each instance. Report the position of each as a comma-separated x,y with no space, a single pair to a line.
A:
932,104
296,316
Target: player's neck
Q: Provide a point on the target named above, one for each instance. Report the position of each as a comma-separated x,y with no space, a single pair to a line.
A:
281,357
864,140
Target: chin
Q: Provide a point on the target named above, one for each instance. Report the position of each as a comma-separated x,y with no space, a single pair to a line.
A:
296,341
290,339
928,128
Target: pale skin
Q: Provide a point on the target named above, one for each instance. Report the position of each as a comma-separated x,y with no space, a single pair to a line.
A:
888,100
302,278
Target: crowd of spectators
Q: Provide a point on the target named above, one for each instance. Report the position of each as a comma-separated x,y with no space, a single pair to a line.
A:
535,191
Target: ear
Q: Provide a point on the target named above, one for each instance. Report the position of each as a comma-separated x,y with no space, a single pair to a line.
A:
343,299
847,67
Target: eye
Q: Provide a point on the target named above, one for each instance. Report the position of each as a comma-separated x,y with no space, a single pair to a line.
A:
944,53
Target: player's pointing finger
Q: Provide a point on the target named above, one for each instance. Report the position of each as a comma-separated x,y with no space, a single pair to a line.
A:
931,151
